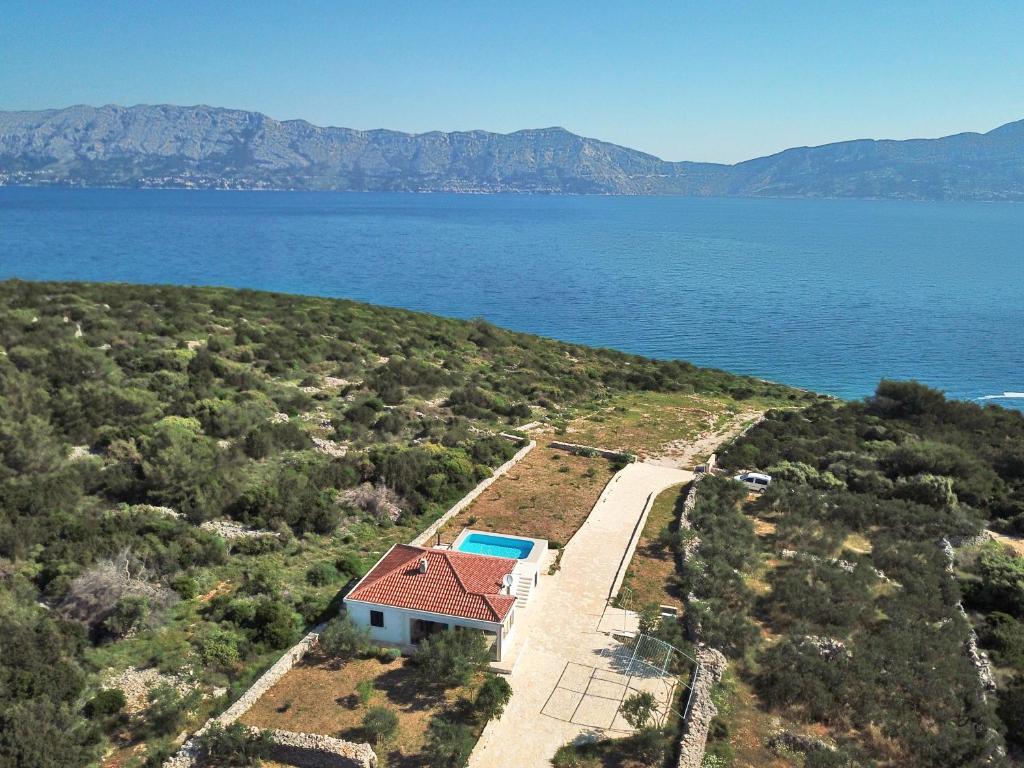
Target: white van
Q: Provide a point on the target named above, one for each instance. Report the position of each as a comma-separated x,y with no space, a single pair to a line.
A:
755,481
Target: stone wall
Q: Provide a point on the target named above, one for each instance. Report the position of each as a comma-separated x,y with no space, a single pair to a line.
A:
424,538
711,665
603,452
978,658
308,750
690,547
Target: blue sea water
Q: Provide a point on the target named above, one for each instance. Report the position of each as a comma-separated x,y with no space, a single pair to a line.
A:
831,295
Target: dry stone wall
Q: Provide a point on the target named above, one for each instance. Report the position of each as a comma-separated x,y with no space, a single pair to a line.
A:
698,716
603,452
308,750
978,658
711,664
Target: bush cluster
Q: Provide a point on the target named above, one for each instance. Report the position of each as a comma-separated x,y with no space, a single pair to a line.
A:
901,471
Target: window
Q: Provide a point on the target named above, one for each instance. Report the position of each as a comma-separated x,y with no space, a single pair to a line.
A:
376,618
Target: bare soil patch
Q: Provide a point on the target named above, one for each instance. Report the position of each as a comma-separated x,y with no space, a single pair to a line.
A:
321,696
547,495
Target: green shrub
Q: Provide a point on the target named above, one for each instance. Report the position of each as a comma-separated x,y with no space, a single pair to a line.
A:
449,744
233,747
1003,635
344,639
256,545
349,565
219,648
931,490
159,751
388,655
167,710
450,659
186,586
380,724
105,703
638,709
276,624
322,574
492,697
312,607
262,579
129,613
364,690
1002,579
649,745
1010,707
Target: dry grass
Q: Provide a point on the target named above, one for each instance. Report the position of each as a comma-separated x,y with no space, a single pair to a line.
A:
857,543
749,728
652,566
547,495
645,422
320,696
1015,543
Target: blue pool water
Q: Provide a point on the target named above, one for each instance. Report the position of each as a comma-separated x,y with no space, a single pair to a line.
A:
825,294
496,546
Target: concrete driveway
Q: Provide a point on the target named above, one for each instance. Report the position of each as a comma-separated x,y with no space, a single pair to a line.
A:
559,632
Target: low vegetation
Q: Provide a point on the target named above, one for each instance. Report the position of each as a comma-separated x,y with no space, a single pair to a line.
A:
651,575
842,616
647,747
649,423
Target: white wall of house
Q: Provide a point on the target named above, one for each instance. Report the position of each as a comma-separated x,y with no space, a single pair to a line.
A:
397,622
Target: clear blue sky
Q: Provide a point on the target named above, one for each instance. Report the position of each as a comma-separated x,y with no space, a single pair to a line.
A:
709,80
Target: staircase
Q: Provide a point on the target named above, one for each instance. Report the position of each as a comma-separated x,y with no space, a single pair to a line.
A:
523,589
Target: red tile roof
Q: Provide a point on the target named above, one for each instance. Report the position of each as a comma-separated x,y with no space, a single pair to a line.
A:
456,583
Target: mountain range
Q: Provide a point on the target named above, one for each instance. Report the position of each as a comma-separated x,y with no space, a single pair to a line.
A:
209,147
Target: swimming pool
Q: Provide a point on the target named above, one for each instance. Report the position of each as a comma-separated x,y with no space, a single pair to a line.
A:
496,545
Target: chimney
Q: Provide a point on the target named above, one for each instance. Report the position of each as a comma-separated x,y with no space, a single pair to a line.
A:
423,565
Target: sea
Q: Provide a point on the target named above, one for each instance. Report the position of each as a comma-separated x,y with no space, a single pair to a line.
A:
829,295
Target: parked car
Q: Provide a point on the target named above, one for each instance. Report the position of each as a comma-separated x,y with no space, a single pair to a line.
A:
755,481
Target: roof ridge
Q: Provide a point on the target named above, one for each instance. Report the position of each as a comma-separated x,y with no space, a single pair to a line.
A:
455,572
494,611
370,578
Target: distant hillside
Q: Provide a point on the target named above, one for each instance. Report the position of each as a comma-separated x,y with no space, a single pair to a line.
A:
207,147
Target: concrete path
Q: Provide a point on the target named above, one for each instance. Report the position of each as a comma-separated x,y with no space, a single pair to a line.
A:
560,629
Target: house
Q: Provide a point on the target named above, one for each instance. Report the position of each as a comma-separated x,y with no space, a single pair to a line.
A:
413,591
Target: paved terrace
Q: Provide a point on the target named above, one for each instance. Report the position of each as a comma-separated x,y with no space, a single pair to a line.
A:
562,650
